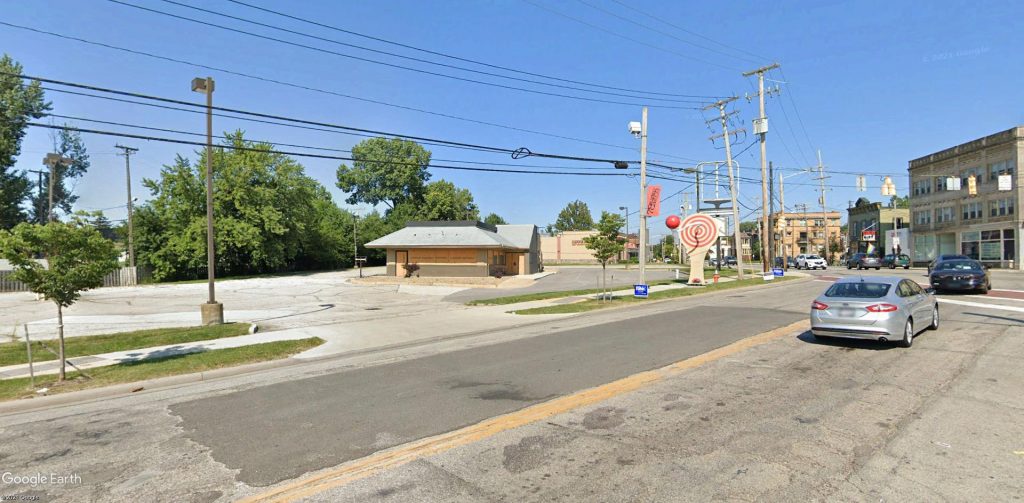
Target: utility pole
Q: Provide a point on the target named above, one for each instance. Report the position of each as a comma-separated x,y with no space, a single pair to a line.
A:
824,211
643,197
723,118
53,161
39,192
782,231
128,151
769,230
761,129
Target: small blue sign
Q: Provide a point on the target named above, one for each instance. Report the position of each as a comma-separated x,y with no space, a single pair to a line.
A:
640,291
778,272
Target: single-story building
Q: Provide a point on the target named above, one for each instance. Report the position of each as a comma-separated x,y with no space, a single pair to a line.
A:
461,249
567,248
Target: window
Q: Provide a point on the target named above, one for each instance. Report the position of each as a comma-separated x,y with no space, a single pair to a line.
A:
967,174
922,187
923,217
972,211
940,184
944,214
1001,207
858,290
1000,168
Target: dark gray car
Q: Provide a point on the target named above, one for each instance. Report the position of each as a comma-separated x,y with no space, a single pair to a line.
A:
864,261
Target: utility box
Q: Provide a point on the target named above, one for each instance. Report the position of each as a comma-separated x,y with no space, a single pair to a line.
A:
761,125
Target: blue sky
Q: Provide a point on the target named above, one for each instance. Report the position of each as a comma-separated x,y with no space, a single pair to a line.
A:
872,84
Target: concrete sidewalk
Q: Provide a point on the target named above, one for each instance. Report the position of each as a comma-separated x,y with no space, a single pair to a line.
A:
136,355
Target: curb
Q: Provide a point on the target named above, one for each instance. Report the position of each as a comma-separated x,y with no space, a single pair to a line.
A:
137,387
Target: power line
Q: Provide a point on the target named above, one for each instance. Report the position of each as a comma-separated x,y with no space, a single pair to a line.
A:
650,28
680,28
323,91
517,153
393,65
458,58
619,35
796,110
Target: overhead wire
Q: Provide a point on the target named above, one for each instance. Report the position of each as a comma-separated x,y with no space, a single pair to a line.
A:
393,65
324,91
635,93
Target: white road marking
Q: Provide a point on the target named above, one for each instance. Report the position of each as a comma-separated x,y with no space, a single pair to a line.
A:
979,304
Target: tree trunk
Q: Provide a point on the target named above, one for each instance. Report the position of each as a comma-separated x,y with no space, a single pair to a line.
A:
60,335
604,280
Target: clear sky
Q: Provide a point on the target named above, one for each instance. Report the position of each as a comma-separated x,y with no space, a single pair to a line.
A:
871,84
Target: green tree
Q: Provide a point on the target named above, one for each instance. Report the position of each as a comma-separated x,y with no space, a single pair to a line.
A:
19,103
442,200
494,219
668,246
574,217
607,243
269,216
385,170
77,257
899,202
69,145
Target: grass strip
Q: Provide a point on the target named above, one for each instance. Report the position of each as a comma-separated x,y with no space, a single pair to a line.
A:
13,353
528,297
150,369
593,304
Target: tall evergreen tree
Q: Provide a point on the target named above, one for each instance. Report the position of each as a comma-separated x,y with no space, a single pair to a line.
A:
19,103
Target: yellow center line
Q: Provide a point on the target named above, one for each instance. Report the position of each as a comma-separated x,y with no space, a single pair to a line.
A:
400,455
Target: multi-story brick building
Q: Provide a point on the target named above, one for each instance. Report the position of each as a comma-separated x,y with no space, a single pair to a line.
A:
804,232
868,216
946,218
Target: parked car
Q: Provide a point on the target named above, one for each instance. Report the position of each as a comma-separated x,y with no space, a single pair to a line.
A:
810,262
730,260
875,308
864,261
790,262
940,258
893,261
961,275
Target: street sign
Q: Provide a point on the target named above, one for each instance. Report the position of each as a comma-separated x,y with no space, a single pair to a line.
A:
640,291
778,272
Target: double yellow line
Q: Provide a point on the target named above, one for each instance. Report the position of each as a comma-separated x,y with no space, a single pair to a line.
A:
400,455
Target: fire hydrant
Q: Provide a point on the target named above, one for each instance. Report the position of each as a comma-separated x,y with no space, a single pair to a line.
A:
715,278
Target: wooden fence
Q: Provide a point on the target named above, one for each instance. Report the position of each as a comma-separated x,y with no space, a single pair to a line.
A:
125,276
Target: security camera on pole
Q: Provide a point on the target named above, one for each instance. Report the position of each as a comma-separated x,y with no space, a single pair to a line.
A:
639,129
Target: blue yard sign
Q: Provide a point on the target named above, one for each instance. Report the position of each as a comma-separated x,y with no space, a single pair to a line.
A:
640,291
778,272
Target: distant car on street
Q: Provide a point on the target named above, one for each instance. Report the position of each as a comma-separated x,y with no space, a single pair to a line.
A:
961,275
940,258
804,261
790,262
893,261
864,261
876,308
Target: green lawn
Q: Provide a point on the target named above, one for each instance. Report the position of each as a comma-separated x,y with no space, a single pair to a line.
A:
13,353
527,297
150,369
592,304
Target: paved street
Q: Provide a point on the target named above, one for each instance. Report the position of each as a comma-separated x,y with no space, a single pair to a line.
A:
787,418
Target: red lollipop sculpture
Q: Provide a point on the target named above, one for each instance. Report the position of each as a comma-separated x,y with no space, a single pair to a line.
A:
672,222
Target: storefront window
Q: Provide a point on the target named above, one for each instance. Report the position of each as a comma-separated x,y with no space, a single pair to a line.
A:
924,247
989,246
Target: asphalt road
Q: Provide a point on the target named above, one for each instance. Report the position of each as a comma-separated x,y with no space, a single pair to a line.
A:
791,419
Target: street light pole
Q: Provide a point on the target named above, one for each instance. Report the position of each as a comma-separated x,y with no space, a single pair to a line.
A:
212,311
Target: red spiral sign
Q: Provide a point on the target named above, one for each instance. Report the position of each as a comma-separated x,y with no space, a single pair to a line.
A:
698,231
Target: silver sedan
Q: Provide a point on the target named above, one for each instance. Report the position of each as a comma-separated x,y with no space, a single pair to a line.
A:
876,308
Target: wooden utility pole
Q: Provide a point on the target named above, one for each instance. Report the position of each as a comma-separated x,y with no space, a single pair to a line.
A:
39,192
53,161
128,151
824,210
723,119
761,129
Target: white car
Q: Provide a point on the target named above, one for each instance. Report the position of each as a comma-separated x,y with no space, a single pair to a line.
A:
810,262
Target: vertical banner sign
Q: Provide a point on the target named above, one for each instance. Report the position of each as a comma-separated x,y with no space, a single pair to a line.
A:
653,200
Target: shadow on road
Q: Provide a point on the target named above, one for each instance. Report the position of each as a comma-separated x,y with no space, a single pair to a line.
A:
848,344
994,317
